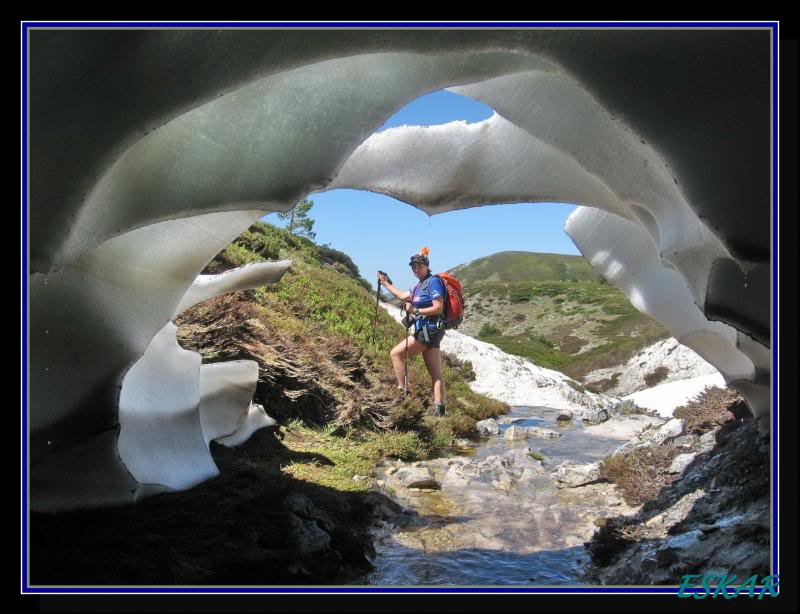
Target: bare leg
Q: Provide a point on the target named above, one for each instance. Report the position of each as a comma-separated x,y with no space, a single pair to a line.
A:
399,357
433,361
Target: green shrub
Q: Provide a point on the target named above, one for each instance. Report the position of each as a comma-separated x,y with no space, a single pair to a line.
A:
639,474
489,330
709,409
328,255
575,385
462,368
605,384
629,407
405,445
656,376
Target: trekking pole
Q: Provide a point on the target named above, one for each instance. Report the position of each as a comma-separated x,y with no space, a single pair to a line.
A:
405,376
408,324
377,302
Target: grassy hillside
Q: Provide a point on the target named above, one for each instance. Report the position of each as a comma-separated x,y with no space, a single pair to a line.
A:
553,309
312,335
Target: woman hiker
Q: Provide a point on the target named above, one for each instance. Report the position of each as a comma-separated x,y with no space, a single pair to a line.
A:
425,302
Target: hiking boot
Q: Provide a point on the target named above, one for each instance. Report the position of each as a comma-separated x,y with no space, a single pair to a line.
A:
439,412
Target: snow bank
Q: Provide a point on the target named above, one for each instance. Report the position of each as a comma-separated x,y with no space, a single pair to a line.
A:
667,397
681,363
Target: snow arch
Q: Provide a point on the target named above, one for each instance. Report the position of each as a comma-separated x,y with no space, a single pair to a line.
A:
190,137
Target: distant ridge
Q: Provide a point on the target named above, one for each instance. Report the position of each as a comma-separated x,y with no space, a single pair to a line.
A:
525,266
553,309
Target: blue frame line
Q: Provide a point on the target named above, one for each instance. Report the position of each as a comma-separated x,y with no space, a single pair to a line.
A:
24,433
398,24
775,303
359,590
26,26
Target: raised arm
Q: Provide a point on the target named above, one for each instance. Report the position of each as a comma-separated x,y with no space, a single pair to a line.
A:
402,295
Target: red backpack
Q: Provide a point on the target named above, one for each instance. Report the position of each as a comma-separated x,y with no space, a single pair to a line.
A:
454,303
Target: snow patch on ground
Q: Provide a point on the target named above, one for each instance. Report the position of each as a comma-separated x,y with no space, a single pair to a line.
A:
666,397
682,363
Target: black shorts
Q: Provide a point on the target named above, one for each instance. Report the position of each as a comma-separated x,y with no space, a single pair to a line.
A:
434,337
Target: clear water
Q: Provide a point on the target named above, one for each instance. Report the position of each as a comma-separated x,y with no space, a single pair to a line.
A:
480,535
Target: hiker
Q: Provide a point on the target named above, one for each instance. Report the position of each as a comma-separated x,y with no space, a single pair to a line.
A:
425,304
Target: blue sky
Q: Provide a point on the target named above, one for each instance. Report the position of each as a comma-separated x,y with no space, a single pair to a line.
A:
379,232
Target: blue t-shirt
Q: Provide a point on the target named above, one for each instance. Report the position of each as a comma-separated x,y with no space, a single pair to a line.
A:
423,293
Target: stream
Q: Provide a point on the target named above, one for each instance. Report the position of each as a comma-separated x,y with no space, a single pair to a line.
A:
498,518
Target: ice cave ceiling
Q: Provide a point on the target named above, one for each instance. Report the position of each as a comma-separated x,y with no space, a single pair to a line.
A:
178,140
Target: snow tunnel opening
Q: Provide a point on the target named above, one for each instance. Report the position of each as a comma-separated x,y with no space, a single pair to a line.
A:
218,184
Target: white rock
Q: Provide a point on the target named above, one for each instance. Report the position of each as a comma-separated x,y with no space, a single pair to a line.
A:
708,441
670,430
594,415
569,474
488,426
515,433
682,541
680,462
536,431
416,477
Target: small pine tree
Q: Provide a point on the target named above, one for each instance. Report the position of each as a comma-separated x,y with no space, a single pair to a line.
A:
298,220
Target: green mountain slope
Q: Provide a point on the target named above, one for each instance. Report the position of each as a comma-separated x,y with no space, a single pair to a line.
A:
525,266
553,309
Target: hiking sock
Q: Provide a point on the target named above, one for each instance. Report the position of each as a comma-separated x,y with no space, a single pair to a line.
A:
439,409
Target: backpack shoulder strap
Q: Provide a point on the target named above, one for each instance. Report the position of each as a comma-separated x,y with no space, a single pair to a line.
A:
425,284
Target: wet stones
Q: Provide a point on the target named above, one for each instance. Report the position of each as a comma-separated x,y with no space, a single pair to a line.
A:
504,482
564,414
456,478
515,433
416,477
571,475
488,427
594,415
